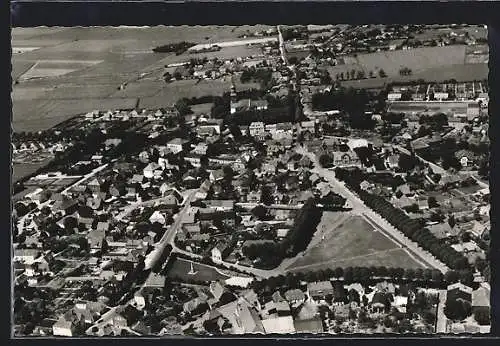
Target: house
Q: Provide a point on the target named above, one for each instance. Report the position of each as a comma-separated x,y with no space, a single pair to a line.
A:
155,280
151,170
466,157
400,303
295,296
96,239
200,149
216,289
257,129
441,230
481,299
246,105
380,301
157,217
216,175
308,126
318,291
63,327
279,325
459,291
219,252
177,145
26,256
220,205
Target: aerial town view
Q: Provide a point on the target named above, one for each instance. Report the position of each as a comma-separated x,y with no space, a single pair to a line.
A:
222,180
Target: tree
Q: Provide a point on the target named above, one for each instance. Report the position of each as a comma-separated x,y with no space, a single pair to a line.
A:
482,316
382,73
267,195
361,74
432,202
457,310
260,212
325,160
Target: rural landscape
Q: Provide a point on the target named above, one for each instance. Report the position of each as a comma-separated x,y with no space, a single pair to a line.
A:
274,180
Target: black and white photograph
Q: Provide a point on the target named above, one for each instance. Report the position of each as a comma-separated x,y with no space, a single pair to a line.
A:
259,180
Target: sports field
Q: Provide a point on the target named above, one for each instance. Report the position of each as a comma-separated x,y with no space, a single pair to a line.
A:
352,242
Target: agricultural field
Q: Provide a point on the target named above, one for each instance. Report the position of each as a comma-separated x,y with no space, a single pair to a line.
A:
33,115
460,73
21,170
180,268
352,242
429,63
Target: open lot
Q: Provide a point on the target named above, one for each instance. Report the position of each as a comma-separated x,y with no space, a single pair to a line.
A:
353,242
181,267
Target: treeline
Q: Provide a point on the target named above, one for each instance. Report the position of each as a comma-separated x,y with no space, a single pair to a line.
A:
411,228
177,48
261,75
432,278
353,101
296,240
163,259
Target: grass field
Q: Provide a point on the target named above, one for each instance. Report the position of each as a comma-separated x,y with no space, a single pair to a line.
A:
181,267
429,63
460,72
353,242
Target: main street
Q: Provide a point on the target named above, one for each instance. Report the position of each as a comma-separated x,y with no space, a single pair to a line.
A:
358,206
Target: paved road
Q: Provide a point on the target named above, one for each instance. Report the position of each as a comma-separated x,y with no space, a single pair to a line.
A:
272,206
169,235
358,206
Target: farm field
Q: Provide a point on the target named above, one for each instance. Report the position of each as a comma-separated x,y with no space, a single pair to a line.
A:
460,72
429,63
33,115
353,242
180,268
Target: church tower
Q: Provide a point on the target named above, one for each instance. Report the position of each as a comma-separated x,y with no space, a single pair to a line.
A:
233,96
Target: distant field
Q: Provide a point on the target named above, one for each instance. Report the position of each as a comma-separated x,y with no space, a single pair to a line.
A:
33,115
21,170
352,243
461,73
432,63
181,267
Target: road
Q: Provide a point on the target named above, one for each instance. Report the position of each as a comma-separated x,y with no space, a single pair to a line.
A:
169,235
272,206
441,320
282,46
358,206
